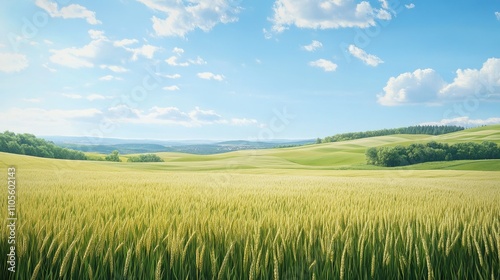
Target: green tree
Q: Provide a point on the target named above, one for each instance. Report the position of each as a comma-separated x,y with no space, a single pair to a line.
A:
114,156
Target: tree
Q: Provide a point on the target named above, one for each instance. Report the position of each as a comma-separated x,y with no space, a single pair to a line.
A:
371,156
145,158
114,156
432,151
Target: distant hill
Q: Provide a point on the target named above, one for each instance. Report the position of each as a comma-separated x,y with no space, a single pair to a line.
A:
418,129
320,158
124,146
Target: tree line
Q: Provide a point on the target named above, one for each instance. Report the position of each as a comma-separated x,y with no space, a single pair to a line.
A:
29,144
432,151
418,129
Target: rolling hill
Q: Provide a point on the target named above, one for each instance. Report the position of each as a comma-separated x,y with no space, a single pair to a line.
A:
346,155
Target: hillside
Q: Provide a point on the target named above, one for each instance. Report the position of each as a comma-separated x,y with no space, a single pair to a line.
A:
328,156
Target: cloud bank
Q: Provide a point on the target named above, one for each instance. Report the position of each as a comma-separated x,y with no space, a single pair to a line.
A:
426,86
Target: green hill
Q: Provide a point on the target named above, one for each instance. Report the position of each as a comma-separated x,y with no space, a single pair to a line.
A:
346,155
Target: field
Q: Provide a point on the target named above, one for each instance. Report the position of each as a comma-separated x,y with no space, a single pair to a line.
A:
314,212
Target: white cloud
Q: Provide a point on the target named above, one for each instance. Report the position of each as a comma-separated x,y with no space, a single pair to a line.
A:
465,122
114,68
324,64
178,51
410,6
109,78
173,61
46,66
94,96
326,14
197,61
70,11
420,86
79,57
173,76
49,122
48,42
473,81
427,87
368,59
181,18
205,116
173,116
12,62
124,42
210,76
171,88
147,51
313,46
497,14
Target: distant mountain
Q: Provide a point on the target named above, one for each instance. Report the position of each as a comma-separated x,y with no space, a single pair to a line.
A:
127,146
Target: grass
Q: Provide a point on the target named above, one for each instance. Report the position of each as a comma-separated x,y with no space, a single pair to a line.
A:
313,212
81,221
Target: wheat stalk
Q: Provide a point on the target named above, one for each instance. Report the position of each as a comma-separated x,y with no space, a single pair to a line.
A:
224,262
158,269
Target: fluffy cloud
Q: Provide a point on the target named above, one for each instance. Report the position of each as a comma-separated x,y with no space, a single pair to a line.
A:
80,57
368,59
172,61
314,45
473,81
465,122
12,62
324,64
70,11
426,86
181,18
420,86
410,6
326,14
210,76
147,51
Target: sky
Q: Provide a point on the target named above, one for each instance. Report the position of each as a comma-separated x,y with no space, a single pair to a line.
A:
249,70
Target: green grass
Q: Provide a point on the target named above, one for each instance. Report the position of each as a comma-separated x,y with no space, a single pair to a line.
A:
311,212
82,220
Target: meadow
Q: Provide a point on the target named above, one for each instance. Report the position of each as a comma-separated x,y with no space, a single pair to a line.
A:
270,214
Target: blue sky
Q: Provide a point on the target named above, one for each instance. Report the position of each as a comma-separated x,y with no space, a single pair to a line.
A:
257,70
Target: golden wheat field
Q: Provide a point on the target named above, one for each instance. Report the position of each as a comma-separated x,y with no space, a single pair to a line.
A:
108,224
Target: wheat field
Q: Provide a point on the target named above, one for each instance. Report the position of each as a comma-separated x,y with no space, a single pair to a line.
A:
109,224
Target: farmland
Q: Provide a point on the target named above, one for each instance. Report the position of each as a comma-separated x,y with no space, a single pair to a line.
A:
313,212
